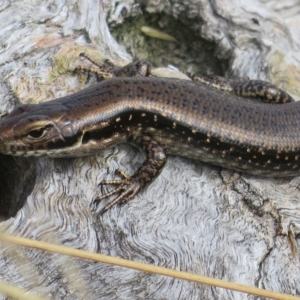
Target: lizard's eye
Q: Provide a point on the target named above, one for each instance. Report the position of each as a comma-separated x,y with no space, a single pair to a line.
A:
35,134
38,133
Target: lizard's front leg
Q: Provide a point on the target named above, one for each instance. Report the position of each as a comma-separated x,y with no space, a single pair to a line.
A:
129,186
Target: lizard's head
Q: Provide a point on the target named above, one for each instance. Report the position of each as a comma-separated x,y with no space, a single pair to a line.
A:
36,130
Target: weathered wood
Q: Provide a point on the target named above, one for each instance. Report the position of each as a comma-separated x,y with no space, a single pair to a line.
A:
194,217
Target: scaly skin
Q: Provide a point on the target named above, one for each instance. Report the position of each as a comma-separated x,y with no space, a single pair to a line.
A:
161,116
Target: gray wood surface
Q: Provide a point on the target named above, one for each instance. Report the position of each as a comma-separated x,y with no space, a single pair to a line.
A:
194,217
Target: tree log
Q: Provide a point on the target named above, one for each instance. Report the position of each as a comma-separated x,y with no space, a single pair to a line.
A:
195,217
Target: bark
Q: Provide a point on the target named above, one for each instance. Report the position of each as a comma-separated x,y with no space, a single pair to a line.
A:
195,217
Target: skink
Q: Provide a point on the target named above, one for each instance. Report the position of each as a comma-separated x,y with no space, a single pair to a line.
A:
161,116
